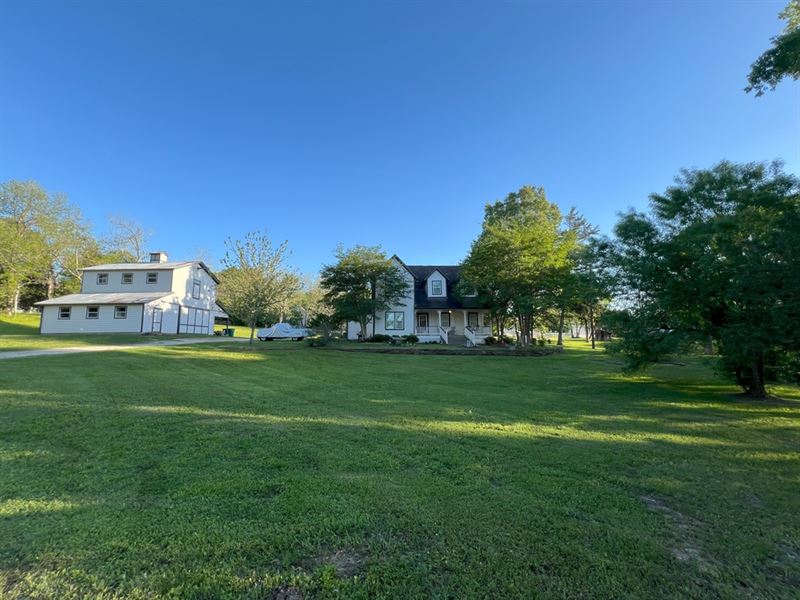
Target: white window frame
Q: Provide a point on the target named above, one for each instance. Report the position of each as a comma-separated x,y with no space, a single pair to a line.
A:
442,316
197,288
433,287
393,320
152,275
96,315
102,279
117,310
124,276
61,310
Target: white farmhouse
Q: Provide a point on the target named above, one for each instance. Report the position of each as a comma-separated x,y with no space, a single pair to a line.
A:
433,309
156,296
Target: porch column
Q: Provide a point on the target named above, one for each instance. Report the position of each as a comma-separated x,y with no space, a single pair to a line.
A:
465,321
440,318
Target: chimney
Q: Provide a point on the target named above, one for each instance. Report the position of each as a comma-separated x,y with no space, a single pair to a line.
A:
158,257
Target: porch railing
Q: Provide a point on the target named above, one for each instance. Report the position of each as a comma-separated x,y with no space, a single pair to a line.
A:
444,332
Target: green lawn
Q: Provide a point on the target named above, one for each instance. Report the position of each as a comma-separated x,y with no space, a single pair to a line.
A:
221,471
21,332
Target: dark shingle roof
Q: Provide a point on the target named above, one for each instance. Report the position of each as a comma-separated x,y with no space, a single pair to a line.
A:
452,274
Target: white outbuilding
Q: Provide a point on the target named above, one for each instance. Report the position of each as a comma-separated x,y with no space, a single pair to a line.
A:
151,297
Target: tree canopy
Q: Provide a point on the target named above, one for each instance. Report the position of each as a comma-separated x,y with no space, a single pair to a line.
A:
255,281
717,259
362,282
782,59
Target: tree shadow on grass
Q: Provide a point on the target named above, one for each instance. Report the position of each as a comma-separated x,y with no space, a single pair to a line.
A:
215,474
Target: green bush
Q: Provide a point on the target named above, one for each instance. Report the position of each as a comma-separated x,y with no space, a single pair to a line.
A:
410,339
490,341
380,338
540,342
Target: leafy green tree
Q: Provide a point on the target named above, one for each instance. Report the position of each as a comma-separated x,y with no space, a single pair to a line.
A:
783,59
40,233
518,260
255,281
362,282
719,259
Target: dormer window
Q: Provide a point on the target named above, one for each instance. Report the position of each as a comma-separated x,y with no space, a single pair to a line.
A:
436,288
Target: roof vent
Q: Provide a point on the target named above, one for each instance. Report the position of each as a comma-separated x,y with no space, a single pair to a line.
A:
158,257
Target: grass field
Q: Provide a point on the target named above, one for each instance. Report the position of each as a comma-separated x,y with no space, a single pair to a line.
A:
21,332
221,471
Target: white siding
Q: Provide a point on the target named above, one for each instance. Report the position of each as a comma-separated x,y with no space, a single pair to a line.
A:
89,282
78,323
437,276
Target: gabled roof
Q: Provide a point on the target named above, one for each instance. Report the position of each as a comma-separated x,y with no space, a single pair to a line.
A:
452,274
106,298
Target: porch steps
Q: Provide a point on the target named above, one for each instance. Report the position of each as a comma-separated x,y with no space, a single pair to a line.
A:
456,340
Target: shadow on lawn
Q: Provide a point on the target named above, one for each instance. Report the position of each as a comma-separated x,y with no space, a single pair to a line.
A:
230,485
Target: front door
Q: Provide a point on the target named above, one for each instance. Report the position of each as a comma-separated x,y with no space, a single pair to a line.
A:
157,314
422,322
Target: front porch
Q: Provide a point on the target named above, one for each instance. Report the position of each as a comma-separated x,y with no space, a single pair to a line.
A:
455,326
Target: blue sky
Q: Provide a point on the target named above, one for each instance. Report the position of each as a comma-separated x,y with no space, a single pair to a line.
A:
377,122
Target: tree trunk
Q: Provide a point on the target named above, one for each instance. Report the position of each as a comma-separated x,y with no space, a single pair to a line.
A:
15,303
709,346
252,331
560,341
586,328
757,387
51,284
591,324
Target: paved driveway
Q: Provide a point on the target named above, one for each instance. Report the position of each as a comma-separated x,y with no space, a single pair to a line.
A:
112,347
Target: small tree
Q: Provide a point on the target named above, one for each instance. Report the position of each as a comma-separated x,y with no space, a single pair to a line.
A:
362,282
255,280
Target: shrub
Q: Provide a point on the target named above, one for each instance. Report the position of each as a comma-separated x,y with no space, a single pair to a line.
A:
490,341
317,341
509,339
540,342
380,338
411,339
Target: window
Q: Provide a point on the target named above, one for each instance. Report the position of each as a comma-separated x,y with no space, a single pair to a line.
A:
436,287
445,319
102,278
120,312
472,319
487,320
64,312
92,312
127,278
152,278
395,320
196,288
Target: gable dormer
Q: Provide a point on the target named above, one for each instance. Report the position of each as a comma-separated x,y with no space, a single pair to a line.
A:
436,285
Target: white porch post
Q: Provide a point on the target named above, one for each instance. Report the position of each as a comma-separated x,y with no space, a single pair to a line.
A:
440,318
465,320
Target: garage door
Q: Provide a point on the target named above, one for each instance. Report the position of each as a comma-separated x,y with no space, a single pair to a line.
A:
195,320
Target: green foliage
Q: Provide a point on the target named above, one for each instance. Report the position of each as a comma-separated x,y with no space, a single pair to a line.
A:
783,59
719,259
411,339
255,281
520,256
362,282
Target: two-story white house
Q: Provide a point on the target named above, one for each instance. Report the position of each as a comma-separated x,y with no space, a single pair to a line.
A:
152,297
433,310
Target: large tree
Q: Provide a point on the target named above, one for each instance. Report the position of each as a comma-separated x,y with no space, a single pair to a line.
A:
783,59
362,282
717,259
40,236
256,280
520,256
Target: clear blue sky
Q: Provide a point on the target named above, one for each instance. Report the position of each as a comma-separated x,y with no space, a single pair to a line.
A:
376,122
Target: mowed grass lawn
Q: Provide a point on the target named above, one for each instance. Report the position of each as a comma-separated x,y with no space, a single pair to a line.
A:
21,332
221,471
